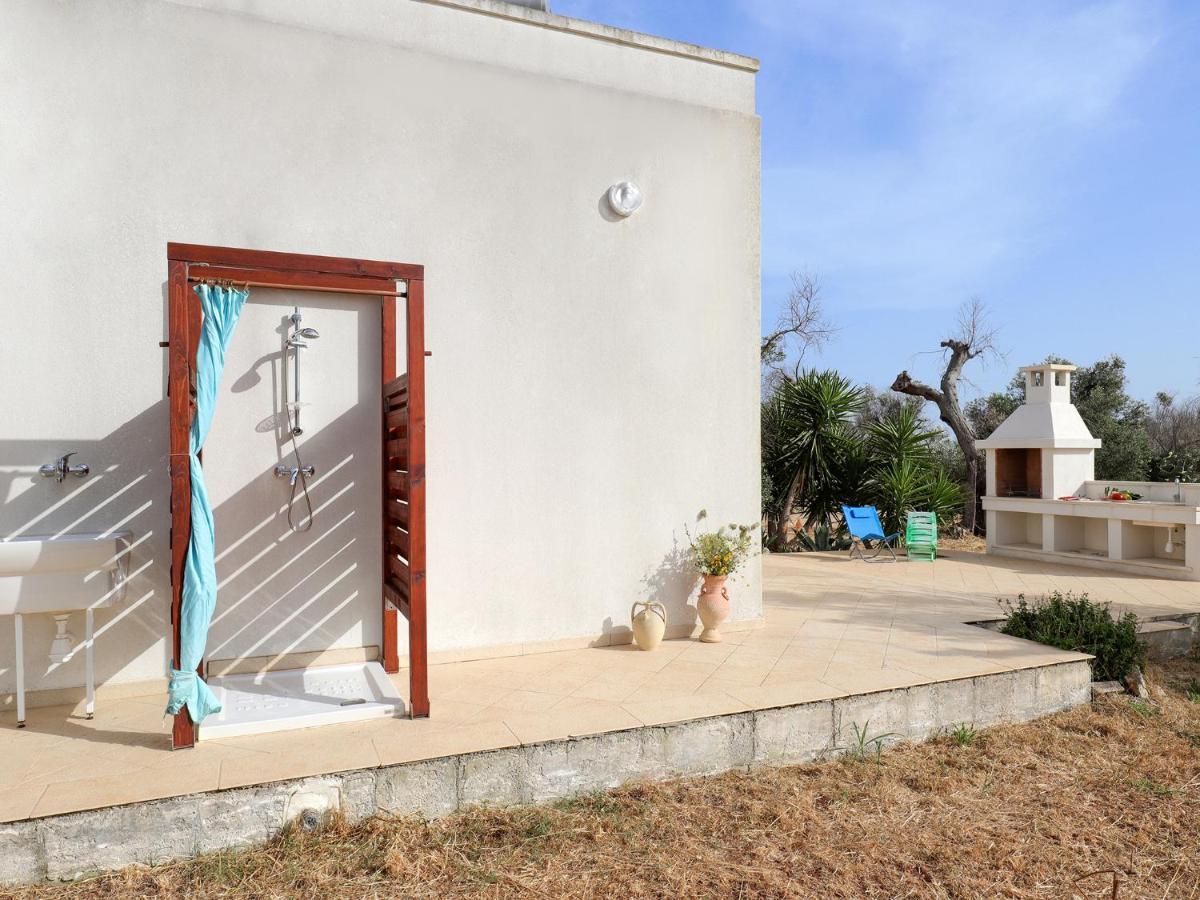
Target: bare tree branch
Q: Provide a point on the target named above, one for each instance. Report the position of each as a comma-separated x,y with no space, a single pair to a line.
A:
802,325
1174,425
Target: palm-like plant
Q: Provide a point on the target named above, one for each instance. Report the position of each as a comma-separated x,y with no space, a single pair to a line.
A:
901,435
855,473
906,474
773,469
809,422
816,458
943,496
899,487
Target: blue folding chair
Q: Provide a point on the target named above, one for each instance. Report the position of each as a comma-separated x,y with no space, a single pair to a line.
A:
863,524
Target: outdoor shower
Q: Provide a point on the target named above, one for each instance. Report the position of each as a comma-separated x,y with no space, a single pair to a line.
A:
299,472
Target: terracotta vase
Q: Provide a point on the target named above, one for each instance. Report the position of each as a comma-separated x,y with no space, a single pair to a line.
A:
713,607
649,625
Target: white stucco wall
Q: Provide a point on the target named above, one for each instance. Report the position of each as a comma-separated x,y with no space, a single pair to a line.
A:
594,382
1064,471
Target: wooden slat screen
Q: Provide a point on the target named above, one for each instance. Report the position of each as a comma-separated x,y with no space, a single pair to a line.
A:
397,576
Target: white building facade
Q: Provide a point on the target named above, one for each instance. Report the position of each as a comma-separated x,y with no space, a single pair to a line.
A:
593,381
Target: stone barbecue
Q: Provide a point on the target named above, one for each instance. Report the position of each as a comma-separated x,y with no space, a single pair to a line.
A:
1043,500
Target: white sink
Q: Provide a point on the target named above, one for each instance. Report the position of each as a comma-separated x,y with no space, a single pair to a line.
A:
59,575
48,574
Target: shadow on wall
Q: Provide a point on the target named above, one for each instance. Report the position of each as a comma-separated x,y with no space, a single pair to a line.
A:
128,489
279,591
671,583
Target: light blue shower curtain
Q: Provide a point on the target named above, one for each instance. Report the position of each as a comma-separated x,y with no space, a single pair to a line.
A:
221,308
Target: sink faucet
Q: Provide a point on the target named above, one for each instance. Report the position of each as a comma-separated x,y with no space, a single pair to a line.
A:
61,468
1178,491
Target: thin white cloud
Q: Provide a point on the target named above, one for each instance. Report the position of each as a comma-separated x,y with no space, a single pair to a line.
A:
993,101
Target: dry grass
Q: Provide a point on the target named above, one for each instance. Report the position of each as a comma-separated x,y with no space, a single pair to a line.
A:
970,543
1020,811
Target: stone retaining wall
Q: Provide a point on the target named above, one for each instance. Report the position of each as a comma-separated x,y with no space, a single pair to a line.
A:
69,846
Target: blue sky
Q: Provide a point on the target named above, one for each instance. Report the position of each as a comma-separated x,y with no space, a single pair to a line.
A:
1042,156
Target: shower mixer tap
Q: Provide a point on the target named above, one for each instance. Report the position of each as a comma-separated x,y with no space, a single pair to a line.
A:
294,472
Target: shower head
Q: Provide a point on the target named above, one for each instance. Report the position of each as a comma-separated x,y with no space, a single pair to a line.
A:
300,335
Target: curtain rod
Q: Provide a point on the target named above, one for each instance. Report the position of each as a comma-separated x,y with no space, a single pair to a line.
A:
295,287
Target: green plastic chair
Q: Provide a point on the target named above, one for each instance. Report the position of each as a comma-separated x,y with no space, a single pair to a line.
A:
920,536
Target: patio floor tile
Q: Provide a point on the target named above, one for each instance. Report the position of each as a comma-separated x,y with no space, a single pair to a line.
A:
832,627
661,711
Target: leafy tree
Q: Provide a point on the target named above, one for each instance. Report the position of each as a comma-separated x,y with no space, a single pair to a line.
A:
1184,465
987,413
948,457
1174,429
773,444
1119,421
768,489
1173,424
1098,392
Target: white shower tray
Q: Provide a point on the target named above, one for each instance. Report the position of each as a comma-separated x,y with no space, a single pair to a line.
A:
300,698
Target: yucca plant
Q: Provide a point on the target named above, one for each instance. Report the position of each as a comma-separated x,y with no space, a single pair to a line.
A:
943,496
906,475
815,459
901,436
899,487
806,437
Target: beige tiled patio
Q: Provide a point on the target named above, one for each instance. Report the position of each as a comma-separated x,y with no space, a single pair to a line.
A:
832,628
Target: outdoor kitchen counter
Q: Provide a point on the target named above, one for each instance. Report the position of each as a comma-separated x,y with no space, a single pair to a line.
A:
1149,511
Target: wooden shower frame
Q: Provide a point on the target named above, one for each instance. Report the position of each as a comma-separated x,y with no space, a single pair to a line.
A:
403,442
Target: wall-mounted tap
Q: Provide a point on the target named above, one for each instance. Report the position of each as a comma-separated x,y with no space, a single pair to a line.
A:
61,468
294,472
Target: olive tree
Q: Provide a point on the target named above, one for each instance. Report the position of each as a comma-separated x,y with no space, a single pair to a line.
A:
971,339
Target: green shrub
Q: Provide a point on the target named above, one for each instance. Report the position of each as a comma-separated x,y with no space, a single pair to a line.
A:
1076,623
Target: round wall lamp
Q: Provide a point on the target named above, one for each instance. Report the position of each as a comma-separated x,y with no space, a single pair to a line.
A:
625,199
